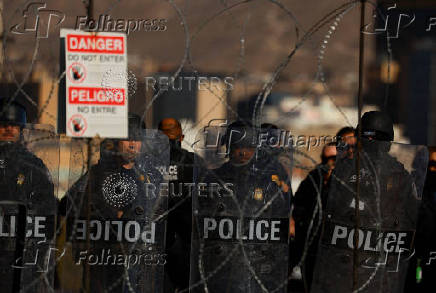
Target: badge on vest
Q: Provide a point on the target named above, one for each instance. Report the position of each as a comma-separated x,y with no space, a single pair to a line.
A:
20,179
258,194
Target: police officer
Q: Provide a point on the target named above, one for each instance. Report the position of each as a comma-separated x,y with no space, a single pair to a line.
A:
179,223
315,186
242,218
248,154
387,207
112,212
28,209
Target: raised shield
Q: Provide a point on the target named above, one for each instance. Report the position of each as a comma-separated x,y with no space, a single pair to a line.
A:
29,171
116,216
390,181
241,213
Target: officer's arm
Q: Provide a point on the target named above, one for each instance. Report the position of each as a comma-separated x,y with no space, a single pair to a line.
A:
302,199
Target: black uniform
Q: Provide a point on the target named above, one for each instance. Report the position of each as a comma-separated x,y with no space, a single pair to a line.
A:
241,228
124,234
304,204
25,179
179,224
388,208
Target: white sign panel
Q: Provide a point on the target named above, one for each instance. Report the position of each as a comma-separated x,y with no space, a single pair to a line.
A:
96,84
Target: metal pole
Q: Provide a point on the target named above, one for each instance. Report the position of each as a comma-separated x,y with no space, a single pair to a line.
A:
90,9
88,215
89,12
359,149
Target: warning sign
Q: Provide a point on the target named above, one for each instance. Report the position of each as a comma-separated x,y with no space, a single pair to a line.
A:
76,72
96,96
77,125
96,102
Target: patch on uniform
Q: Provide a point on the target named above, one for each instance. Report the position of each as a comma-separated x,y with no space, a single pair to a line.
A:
20,179
258,194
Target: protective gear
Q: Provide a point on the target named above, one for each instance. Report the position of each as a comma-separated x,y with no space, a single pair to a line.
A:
180,176
239,134
13,113
388,205
116,218
28,210
377,125
241,222
310,196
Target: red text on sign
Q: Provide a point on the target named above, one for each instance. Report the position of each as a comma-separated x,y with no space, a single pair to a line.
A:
95,44
96,96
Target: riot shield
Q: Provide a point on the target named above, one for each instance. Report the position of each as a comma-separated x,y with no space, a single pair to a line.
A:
116,217
241,214
29,164
388,189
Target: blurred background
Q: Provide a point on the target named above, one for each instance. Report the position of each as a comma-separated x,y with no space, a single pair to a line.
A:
238,46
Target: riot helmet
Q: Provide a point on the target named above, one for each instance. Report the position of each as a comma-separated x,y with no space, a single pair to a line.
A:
378,126
240,142
12,112
12,117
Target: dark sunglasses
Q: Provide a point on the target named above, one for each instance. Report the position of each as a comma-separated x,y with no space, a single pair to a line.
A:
329,158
